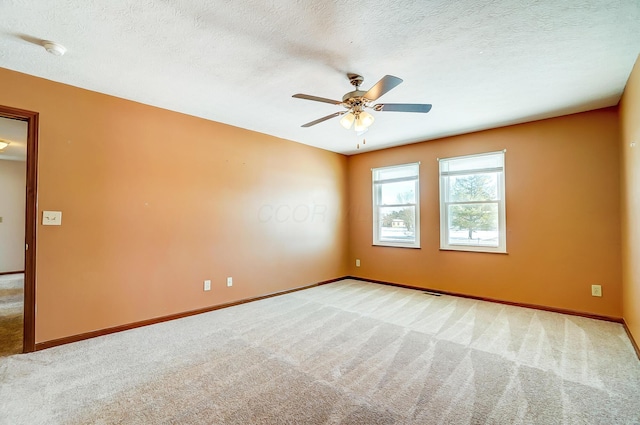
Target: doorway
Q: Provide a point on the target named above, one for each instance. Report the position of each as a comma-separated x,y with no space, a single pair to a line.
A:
10,282
13,174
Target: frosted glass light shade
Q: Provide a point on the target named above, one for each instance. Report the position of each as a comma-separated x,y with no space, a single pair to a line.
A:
3,144
359,126
366,118
347,120
363,121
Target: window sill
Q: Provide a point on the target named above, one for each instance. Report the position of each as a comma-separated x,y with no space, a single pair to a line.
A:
479,251
390,245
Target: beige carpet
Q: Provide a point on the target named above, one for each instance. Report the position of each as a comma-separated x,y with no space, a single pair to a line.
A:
11,313
344,353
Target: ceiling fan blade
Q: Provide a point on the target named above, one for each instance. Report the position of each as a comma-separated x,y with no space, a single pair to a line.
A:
319,120
317,99
402,107
385,84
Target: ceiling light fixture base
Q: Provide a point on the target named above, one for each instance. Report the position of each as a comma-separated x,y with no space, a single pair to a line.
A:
54,48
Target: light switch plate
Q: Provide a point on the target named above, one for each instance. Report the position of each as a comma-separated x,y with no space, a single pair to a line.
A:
52,218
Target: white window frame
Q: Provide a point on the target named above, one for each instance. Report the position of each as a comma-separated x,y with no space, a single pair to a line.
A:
377,205
444,218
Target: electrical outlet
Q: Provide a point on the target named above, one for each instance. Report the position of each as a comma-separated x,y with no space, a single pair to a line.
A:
596,290
229,281
357,262
207,285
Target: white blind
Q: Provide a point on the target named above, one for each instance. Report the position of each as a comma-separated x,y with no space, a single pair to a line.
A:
487,163
399,172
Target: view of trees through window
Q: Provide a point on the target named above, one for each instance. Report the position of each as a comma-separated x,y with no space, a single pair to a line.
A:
472,204
471,217
472,214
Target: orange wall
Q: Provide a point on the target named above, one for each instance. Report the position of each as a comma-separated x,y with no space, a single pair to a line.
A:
630,176
563,216
154,202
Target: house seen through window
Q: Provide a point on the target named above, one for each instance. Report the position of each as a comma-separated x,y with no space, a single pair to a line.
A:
396,206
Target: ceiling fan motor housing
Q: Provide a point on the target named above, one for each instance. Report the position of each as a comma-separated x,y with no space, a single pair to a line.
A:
354,99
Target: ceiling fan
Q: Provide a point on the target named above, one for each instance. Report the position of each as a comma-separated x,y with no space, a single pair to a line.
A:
355,103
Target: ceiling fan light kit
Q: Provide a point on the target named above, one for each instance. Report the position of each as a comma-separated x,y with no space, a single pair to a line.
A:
362,120
355,102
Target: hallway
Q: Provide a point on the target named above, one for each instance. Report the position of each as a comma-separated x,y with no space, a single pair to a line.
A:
11,313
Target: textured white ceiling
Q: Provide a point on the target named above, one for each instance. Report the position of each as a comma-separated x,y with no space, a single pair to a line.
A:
481,64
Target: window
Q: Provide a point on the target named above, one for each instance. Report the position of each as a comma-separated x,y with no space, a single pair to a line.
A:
396,206
472,215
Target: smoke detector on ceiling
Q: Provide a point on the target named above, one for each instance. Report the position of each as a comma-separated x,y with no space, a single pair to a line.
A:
54,48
